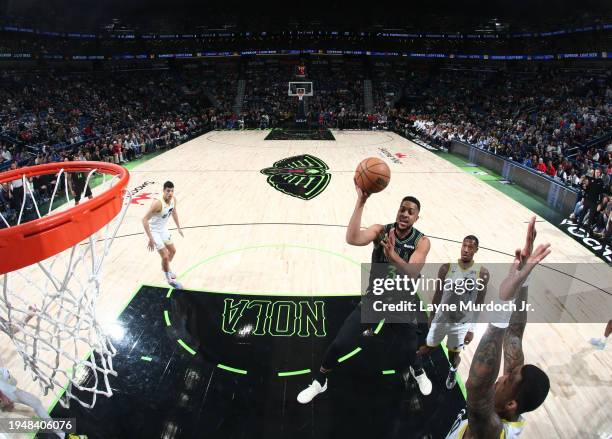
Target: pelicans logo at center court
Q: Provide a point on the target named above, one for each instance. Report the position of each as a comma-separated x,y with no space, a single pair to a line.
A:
302,176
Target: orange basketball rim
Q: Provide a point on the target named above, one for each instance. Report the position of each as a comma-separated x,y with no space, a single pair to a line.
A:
36,240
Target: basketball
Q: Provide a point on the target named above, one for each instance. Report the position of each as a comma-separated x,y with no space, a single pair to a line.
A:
372,175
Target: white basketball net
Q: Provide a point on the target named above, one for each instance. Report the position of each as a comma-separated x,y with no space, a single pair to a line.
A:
48,309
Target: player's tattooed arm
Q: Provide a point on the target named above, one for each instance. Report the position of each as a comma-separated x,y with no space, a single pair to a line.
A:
513,340
482,419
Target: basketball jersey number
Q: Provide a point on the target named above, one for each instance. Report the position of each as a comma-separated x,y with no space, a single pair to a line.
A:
391,271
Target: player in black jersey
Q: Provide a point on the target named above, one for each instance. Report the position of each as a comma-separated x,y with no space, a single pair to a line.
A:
76,184
401,245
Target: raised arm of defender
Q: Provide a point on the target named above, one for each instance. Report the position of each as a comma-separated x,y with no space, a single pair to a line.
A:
484,422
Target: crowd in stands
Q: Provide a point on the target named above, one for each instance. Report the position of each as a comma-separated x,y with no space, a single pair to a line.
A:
108,116
393,80
557,122
45,114
544,120
336,102
266,99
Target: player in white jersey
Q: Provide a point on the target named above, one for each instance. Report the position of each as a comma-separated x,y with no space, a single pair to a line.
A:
155,224
495,405
469,286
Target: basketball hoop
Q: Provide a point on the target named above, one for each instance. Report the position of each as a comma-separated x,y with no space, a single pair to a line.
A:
300,93
50,266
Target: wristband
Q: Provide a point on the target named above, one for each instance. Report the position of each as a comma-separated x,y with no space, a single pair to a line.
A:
500,318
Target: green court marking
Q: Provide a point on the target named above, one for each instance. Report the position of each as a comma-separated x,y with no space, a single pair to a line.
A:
211,258
61,394
131,165
294,372
207,260
186,347
349,355
388,372
231,369
520,195
266,293
379,327
262,293
443,344
146,358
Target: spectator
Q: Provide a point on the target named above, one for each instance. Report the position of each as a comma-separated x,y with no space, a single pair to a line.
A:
541,166
550,170
592,196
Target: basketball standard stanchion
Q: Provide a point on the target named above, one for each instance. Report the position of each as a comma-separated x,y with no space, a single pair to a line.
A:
51,257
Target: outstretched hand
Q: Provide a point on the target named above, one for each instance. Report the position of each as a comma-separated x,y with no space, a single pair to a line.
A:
527,249
362,195
525,260
389,245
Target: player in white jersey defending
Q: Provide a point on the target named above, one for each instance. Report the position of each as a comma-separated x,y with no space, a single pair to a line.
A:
155,225
495,405
469,286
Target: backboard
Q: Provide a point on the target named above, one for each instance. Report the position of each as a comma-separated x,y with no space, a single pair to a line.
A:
300,89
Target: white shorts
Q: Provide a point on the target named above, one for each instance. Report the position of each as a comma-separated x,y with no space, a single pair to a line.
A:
455,333
161,238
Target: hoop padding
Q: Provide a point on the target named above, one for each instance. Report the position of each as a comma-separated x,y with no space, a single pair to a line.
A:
39,239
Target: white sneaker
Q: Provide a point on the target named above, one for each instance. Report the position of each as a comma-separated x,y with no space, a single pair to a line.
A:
308,394
424,383
598,343
171,275
174,284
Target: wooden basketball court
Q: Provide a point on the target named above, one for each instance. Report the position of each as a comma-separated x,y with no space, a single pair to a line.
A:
242,235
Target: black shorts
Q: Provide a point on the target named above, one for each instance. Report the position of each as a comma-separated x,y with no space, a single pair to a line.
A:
78,190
